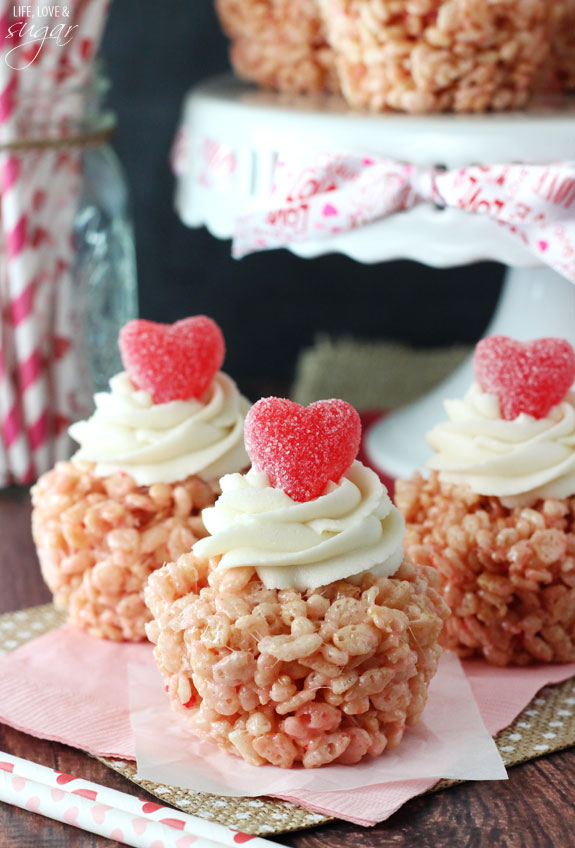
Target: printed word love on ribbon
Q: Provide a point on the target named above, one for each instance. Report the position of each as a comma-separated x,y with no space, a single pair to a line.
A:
323,195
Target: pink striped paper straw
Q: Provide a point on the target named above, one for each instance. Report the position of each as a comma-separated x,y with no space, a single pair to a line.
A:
22,268
61,86
60,187
63,336
14,456
39,271
196,831
17,451
32,387
68,73
90,16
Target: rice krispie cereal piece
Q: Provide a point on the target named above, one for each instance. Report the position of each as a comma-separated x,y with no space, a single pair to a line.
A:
331,674
438,55
279,44
99,539
507,574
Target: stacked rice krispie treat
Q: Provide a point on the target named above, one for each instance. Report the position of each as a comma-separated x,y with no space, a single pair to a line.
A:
280,44
298,632
563,47
410,55
496,517
437,55
149,462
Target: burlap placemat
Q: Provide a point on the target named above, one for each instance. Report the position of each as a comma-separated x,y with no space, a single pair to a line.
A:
371,375
546,725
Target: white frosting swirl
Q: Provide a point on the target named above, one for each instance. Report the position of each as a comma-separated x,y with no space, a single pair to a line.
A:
350,529
519,461
164,442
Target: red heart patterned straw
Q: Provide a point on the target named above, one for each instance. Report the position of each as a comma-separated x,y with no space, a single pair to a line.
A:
109,812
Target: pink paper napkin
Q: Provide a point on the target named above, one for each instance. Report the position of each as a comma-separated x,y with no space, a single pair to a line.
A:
503,692
72,688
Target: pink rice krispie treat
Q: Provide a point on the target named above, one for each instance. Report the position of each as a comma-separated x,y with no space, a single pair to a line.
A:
99,539
438,55
508,575
298,633
149,461
563,48
496,518
279,44
286,677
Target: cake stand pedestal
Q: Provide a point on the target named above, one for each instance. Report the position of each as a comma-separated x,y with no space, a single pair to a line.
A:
231,134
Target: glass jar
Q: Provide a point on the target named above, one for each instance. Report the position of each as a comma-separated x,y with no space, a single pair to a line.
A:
67,274
105,265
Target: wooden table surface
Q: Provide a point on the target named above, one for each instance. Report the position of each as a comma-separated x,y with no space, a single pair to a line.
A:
533,809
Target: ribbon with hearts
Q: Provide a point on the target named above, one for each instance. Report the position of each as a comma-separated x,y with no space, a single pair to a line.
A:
323,195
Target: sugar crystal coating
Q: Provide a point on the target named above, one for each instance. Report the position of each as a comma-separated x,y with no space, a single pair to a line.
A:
529,377
172,361
302,448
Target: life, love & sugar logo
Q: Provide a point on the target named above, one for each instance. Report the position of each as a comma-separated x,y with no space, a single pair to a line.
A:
32,27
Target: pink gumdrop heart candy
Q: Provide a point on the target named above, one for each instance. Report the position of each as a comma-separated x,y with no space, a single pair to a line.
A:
302,448
172,361
529,377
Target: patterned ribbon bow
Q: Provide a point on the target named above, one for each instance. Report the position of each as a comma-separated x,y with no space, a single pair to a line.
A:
330,194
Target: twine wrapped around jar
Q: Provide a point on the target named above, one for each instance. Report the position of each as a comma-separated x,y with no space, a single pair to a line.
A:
87,138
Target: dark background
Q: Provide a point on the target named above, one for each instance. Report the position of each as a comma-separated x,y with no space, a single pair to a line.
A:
272,304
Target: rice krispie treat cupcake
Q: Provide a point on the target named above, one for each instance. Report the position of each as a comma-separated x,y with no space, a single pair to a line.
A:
149,462
298,633
279,44
496,518
437,55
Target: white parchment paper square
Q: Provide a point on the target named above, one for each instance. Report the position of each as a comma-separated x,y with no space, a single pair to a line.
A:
450,742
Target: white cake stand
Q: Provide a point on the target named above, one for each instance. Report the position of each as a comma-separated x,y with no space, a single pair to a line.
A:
232,133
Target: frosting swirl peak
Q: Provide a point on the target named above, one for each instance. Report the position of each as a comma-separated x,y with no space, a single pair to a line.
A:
519,460
164,442
353,527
